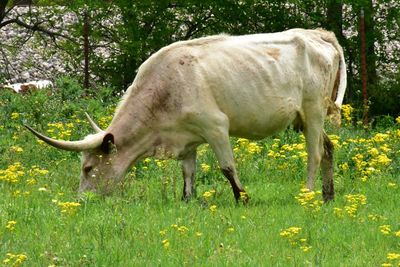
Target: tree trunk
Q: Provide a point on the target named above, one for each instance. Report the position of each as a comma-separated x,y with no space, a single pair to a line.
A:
3,5
364,75
86,49
370,43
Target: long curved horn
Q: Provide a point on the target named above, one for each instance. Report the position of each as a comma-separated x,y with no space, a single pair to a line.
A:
93,124
89,143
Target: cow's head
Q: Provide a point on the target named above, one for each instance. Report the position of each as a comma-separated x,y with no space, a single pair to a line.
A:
102,166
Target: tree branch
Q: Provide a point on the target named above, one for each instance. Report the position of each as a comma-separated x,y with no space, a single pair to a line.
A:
36,28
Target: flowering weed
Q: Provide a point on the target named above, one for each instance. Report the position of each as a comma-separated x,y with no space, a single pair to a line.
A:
140,224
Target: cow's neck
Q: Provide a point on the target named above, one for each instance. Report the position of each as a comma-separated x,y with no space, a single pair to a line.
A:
135,127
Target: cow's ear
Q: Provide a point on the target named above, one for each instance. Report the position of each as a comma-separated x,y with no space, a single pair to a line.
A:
108,143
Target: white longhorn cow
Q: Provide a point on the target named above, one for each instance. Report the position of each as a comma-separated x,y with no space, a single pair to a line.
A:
204,90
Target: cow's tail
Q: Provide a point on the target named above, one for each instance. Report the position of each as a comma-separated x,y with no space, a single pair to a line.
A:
342,79
339,86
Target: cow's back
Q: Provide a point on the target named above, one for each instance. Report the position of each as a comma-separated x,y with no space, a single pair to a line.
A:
259,81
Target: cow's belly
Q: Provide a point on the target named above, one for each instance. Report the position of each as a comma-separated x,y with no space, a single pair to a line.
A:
259,94
258,105
262,119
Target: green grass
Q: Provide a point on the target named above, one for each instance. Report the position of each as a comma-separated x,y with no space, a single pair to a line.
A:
146,224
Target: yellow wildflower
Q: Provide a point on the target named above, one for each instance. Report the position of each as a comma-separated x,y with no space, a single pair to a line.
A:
213,208
242,142
385,148
383,159
35,170
308,200
40,142
291,231
292,234
303,154
305,248
271,153
14,115
385,229
244,196
16,149
182,229
68,207
205,167
14,259
165,243
208,194
161,163
198,234
344,166
12,173
393,256
375,217
373,152
380,137
353,203
335,140
299,146
346,111
253,148
104,121
163,232
11,225
202,149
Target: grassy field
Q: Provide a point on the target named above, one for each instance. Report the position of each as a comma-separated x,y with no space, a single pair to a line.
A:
44,223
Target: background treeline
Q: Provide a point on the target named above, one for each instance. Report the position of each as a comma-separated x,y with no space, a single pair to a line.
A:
110,39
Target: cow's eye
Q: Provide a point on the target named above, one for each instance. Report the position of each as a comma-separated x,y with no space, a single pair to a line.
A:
87,169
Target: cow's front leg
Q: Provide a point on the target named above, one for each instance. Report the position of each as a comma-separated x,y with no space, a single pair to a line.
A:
238,191
218,138
188,172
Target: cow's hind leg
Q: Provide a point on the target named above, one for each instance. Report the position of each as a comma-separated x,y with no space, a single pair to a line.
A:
320,152
188,171
313,132
314,154
217,136
328,191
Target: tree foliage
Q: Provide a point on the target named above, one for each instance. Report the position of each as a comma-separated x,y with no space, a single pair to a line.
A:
124,33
